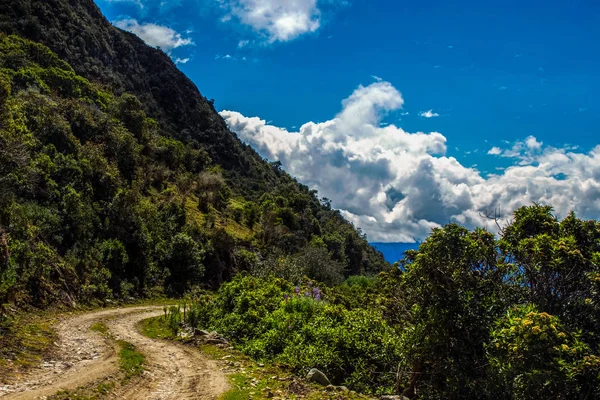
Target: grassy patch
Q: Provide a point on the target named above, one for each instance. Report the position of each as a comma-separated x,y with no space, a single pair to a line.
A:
91,392
77,394
100,327
156,328
24,342
131,362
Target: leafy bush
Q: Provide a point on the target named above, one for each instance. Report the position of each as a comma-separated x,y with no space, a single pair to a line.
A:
532,356
270,319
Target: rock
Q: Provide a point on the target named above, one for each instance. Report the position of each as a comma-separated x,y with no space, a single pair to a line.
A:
314,375
184,334
393,397
200,332
342,389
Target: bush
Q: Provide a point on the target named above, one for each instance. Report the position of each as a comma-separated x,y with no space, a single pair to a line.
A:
532,356
269,319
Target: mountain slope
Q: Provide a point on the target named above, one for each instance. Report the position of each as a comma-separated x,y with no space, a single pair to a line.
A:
80,35
118,178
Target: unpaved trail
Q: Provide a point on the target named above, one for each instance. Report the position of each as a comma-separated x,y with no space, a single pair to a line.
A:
173,371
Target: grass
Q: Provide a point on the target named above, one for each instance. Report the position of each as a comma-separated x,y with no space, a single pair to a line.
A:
92,392
25,341
100,327
155,328
131,362
221,219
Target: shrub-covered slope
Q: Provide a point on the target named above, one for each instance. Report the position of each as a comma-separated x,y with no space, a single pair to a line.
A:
78,33
97,200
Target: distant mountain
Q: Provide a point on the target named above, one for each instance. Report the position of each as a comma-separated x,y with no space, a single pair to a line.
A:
393,252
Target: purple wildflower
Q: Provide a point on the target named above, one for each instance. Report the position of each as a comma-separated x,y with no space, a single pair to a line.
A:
297,290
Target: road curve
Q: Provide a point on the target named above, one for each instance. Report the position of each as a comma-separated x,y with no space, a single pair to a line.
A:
173,371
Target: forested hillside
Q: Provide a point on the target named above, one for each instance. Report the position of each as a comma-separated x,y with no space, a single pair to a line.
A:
119,179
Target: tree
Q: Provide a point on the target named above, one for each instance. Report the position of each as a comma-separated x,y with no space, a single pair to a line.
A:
452,291
184,262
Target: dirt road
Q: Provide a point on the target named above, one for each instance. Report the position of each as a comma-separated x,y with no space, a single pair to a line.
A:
173,371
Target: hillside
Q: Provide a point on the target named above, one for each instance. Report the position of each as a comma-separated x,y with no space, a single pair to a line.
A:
120,179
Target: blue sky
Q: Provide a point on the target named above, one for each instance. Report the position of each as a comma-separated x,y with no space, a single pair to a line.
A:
510,88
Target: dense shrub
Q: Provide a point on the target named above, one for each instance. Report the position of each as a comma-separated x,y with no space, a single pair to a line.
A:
270,319
532,356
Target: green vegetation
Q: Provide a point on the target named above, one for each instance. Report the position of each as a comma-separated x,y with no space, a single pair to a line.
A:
157,328
92,392
131,362
24,342
99,327
466,316
249,380
96,203
304,327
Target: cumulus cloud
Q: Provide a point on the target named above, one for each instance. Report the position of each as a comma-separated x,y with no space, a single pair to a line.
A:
278,20
182,60
429,114
398,185
495,151
155,35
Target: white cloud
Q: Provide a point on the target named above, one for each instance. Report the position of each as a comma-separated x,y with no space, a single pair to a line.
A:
182,60
525,151
278,20
155,35
377,78
533,144
429,114
397,185
148,7
495,151
136,2
243,43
